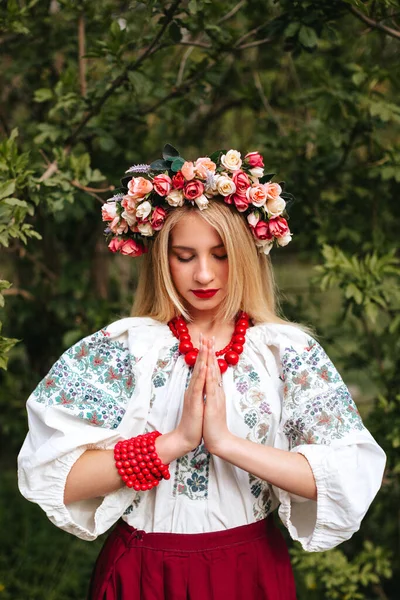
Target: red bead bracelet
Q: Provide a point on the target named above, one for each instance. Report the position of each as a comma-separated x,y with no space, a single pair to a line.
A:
138,463
231,352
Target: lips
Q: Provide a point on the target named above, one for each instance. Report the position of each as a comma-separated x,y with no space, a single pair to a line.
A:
204,293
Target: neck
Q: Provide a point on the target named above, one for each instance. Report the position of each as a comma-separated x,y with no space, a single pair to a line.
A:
206,322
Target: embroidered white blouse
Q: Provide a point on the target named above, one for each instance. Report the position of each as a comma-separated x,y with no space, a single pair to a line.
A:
130,378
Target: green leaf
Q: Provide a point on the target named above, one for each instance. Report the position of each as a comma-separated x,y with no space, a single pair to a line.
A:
292,29
215,156
7,188
177,164
43,95
266,178
159,165
352,291
169,152
308,37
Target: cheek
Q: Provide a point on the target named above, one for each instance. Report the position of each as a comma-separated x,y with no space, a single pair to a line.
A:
177,271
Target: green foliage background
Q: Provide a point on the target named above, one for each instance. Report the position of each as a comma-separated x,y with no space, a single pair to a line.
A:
90,87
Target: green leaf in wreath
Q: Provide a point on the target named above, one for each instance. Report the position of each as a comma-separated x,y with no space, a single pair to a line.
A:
177,164
215,156
169,152
159,165
266,178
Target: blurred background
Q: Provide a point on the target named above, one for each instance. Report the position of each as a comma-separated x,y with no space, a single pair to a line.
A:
87,88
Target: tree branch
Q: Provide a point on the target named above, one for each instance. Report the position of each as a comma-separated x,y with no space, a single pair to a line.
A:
375,24
81,55
266,104
118,81
256,43
232,12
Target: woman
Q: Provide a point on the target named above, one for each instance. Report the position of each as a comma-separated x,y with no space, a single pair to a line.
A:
265,422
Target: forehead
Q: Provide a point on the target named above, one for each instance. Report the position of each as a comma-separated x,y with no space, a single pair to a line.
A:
193,231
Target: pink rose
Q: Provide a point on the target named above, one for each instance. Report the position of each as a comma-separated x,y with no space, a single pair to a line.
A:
203,165
255,159
241,202
193,189
129,204
119,226
162,184
188,170
158,218
178,181
139,187
131,248
242,182
257,194
115,244
278,227
274,190
262,231
109,211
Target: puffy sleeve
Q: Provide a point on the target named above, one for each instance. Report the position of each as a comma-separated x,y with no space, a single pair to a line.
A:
79,405
320,421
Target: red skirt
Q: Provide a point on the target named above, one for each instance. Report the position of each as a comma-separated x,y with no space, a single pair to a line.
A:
249,562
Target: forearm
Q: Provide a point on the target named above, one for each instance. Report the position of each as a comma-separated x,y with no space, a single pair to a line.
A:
94,474
289,471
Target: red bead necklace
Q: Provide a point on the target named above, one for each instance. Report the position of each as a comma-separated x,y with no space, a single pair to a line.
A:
231,352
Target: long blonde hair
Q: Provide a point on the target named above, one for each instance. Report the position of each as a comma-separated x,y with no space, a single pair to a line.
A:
251,285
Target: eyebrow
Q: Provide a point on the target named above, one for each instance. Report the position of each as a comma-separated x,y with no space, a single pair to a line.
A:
193,249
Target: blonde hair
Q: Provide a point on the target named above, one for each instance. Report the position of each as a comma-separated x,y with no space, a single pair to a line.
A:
249,271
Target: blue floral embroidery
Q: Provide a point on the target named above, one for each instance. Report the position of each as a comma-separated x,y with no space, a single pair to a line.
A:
317,402
93,380
192,474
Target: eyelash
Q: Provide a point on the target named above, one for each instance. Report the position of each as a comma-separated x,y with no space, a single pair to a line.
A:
186,260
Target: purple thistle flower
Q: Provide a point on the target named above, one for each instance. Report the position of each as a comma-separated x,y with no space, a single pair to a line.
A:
142,168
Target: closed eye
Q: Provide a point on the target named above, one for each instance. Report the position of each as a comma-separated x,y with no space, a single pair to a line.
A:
186,260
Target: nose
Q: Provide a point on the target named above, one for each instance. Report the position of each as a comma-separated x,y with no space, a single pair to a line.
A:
204,273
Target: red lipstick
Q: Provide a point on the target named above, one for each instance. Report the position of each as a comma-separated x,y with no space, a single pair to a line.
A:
204,293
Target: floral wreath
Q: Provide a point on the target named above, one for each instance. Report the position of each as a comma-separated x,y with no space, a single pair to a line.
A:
135,216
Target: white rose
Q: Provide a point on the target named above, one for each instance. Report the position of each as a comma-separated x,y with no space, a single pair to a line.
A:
231,160
145,229
130,218
275,207
256,172
201,202
253,219
175,198
210,186
284,240
226,186
143,210
264,246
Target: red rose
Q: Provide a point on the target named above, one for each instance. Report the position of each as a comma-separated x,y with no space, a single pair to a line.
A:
262,231
278,227
241,202
178,181
162,184
193,189
132,248
158,218
115,244
242,182
254,159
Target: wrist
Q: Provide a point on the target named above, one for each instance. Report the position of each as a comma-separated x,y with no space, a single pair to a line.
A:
222,446
172,445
